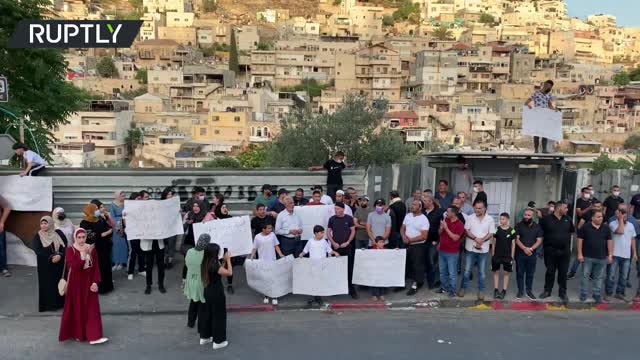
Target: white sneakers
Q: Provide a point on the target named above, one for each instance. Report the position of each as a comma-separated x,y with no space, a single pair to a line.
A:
223,344
99,341
274,301
130,277
142,273
265,300
206,341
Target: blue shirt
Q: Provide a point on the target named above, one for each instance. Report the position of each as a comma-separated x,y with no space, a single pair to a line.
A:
446,200
541,99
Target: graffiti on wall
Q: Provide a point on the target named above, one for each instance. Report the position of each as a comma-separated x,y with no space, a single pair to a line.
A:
183,187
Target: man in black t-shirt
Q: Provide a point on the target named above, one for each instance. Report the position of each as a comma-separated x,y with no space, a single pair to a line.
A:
502,255
528,239
334,169
586,218
584,204
557,228
261,219
611,202
635,206
595,251
341,230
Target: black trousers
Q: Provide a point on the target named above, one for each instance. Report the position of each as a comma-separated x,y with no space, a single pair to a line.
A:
135,253
416,257
36,170
556,261
350,252
192,315
212,315
536,143
155,254
235,261
332,189
432,268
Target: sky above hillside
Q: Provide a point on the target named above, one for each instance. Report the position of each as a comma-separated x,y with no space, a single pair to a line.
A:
625,10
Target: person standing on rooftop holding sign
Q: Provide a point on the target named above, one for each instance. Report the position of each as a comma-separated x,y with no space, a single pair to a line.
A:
542,99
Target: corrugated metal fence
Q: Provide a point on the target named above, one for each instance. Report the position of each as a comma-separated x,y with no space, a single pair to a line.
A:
628,181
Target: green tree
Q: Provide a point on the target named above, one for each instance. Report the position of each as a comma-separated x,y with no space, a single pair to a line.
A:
142,76
487,19
337,2
265,45
133,140
106,68
621,78
234,64
352,129
136,4
632,142
387,20
255,156
222,162
603,163
407,7
442,33
39,93
310,86
132,94
634,75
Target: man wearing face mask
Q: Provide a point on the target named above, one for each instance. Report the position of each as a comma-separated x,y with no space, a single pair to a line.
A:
584,204
379,223
334,169
542,99
478,192
360,218
612,201
197,194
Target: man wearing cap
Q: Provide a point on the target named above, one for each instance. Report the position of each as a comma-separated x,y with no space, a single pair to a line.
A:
288,228
360,218
278,206
341,231
340,198
266,196
379,223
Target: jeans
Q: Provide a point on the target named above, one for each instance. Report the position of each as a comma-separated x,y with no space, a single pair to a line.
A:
574,266
594,268
135,254
362,244
3,250
170,246
470,259
525,269
288,245
431,254
448,263
620,266
417,261
556,261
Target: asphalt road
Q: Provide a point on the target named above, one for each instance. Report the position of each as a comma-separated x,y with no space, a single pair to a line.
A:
310,335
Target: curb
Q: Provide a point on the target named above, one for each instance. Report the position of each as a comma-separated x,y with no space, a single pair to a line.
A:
494,305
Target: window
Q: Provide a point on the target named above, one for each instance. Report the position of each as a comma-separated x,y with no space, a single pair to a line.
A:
85,122
203,131
119,151
217,132
236,119
109,151
239,132
215,118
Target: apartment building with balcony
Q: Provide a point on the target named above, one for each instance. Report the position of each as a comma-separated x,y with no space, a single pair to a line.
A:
103,123
197,85
436,73
224,126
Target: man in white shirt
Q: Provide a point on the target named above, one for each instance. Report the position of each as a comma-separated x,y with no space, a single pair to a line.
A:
414,232
35,164
325,199
624,249
289,228
480,228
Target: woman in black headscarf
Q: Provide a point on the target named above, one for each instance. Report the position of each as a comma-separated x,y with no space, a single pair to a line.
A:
99,234
49,245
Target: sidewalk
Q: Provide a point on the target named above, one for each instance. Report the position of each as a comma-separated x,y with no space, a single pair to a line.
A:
20,296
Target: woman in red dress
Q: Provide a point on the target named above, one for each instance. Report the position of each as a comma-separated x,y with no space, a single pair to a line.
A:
81,315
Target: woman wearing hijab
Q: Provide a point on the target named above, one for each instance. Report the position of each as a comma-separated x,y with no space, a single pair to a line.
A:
99,235
120,249
169,243
60,222
220,211
196,215
49,244
212,316
193,289
81,318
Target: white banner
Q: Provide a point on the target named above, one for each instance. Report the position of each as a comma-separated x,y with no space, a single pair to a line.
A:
28,193
153,219
312,216
321,277
233,234
380,268
273,279
542,122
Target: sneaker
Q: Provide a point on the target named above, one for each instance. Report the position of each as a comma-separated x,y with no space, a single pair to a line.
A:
461,292
130,277
583,298
143,273
621,297
545,294
452,294
571,276
496,294
519,295
503,294
147,291
230,289
354,294
530,295
274,301
162,290
265,300
206,341
99,341
6,273
441,291
480,296
564,298
412,291
223,344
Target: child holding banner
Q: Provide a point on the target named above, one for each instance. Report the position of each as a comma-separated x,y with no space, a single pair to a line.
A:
318,248
266,244
377,293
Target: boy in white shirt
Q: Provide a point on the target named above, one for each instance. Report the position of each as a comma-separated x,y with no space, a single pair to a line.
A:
318,248
35,164
267,246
